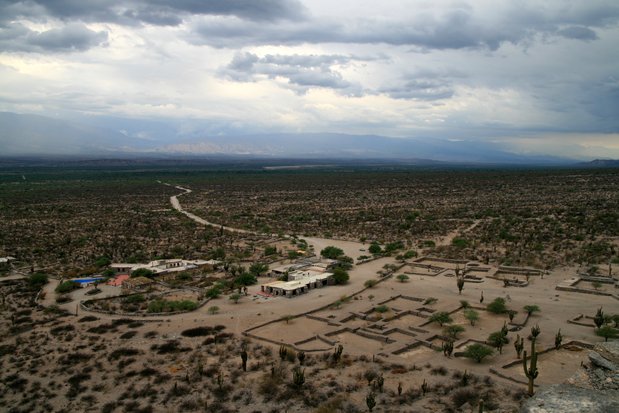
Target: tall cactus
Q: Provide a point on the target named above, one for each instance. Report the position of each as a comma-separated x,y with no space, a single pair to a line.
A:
532,371
370,401
283,352
244,359
301,357
298,376
337,353
448,348
558,339
519,345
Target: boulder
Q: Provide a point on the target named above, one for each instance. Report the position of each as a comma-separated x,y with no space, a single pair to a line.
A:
609,350
599,361
565,398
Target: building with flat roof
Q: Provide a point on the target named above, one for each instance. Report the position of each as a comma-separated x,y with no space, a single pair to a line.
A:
164,266
300,285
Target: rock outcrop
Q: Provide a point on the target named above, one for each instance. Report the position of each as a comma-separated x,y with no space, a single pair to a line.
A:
594,389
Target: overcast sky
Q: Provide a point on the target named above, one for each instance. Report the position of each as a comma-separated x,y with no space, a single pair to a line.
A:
540,76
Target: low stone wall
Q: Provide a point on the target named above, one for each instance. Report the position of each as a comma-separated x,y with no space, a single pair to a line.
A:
445,260
411,346
586,291
324,320
576,320
372,336
399,330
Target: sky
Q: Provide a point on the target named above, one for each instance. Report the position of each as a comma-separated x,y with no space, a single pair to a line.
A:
539,77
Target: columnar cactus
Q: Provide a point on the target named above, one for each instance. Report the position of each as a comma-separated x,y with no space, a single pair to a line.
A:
301,357
370,401
283,352
558,339
244,359
532,371
424,387
519,345
298,376
337,353
448,348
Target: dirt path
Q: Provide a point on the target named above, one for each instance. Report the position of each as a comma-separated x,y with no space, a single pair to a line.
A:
177,206
252,309
447,239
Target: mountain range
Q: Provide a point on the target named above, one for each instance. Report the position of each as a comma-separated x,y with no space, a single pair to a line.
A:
35,135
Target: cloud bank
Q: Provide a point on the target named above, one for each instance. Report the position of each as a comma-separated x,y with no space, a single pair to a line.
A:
478,70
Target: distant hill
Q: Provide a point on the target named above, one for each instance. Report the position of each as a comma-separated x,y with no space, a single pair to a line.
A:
33,135
40,135
602,163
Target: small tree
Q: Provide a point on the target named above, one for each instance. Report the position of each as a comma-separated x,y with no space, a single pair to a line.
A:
332,252
340,276
498,339
213,310
511,314
403,278
375,249
235,297
441,317
607,332
471,315
245,279
477,352
530,309
453,331
258,269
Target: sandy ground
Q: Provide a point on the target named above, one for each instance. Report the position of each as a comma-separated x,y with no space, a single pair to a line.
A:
556,308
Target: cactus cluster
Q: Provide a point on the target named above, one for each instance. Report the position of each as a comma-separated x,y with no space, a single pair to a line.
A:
531,372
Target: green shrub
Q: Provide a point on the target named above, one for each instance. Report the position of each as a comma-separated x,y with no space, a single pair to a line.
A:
142,272
67,287
37,280
165,306
497,306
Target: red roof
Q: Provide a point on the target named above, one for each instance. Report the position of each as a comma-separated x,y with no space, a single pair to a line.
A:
118,280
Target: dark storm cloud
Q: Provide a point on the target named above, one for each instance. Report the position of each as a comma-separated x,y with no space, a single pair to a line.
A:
461,27
578,33
73,37
455,31
301,72
157,12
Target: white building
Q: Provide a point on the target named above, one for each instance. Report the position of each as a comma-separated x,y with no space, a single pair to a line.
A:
163,266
